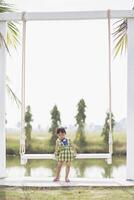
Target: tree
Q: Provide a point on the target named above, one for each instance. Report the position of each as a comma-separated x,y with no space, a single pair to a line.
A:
80,139
106,128
56,121
12,40
28,128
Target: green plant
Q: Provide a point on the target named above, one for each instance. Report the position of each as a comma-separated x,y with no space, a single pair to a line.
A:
80,139
28,128
12,40
120,36
106,128
56,121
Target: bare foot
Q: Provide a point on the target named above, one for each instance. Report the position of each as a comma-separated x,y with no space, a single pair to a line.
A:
56,179
67,180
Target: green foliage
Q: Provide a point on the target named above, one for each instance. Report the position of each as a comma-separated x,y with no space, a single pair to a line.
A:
120,36
56,121
13,34
106,128
12,94
28,128
12,40
80,139
39,143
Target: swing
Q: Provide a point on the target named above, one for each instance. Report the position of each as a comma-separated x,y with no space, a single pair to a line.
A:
23,156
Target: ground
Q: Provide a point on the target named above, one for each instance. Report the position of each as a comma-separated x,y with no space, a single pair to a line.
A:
79,193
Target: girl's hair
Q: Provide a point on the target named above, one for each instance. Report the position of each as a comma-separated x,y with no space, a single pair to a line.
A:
61,129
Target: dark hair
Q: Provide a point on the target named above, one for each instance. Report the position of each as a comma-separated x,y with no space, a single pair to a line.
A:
61,129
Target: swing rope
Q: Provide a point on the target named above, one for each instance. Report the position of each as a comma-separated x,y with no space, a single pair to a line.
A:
110,90
22,136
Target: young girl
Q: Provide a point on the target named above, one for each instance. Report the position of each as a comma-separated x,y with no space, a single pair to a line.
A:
64,152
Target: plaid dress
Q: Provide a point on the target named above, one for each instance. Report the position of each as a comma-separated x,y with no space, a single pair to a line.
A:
64,150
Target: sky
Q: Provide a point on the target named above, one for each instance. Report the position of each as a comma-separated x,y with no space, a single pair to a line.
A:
67,61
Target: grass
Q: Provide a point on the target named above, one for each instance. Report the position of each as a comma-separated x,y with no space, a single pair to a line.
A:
40,143
79,193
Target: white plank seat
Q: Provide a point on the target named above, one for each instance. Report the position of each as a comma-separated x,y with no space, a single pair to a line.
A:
106,156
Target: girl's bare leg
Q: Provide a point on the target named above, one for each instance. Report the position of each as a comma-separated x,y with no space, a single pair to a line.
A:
67,171
58,169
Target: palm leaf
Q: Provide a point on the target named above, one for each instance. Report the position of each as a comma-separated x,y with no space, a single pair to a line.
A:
6,7
13,33
12,94
120,36
2,40
12,40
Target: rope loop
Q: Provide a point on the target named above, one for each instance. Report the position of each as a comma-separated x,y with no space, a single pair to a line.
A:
24,16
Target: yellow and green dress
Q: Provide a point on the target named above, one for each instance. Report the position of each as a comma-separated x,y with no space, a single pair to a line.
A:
64,150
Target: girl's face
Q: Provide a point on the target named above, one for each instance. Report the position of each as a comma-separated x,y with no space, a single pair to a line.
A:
61,135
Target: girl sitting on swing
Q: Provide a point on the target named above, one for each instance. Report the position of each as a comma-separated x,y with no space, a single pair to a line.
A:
64,152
